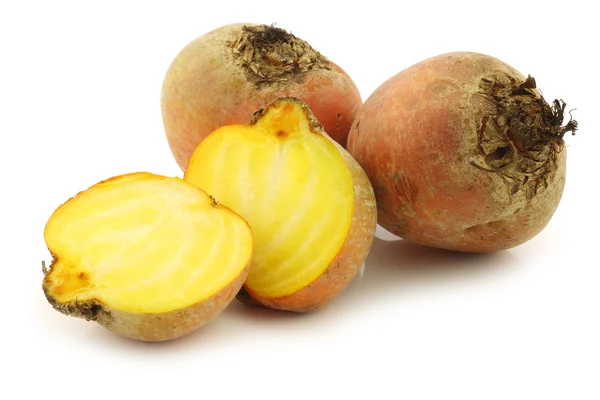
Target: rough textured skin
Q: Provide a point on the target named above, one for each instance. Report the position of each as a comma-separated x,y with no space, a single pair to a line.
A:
153,327
206,88
351,256
417,139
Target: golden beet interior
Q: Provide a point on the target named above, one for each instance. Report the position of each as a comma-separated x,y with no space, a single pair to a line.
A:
293,187
144,243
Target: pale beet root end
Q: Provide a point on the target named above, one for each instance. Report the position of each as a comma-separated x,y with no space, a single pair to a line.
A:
90,310
520,134
271,55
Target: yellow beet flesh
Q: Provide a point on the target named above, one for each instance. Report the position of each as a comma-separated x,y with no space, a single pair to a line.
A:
272,174
294,186
143,244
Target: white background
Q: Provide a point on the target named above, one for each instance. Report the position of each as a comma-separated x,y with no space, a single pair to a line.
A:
79,102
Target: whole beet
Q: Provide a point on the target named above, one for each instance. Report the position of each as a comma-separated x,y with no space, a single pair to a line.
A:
463,153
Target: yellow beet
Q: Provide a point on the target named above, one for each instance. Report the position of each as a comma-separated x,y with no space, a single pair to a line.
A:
149,257
310,205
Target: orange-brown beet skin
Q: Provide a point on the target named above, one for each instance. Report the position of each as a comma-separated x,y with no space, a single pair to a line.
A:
416,137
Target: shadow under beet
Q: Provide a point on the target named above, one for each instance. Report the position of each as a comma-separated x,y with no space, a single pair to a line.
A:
396,267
